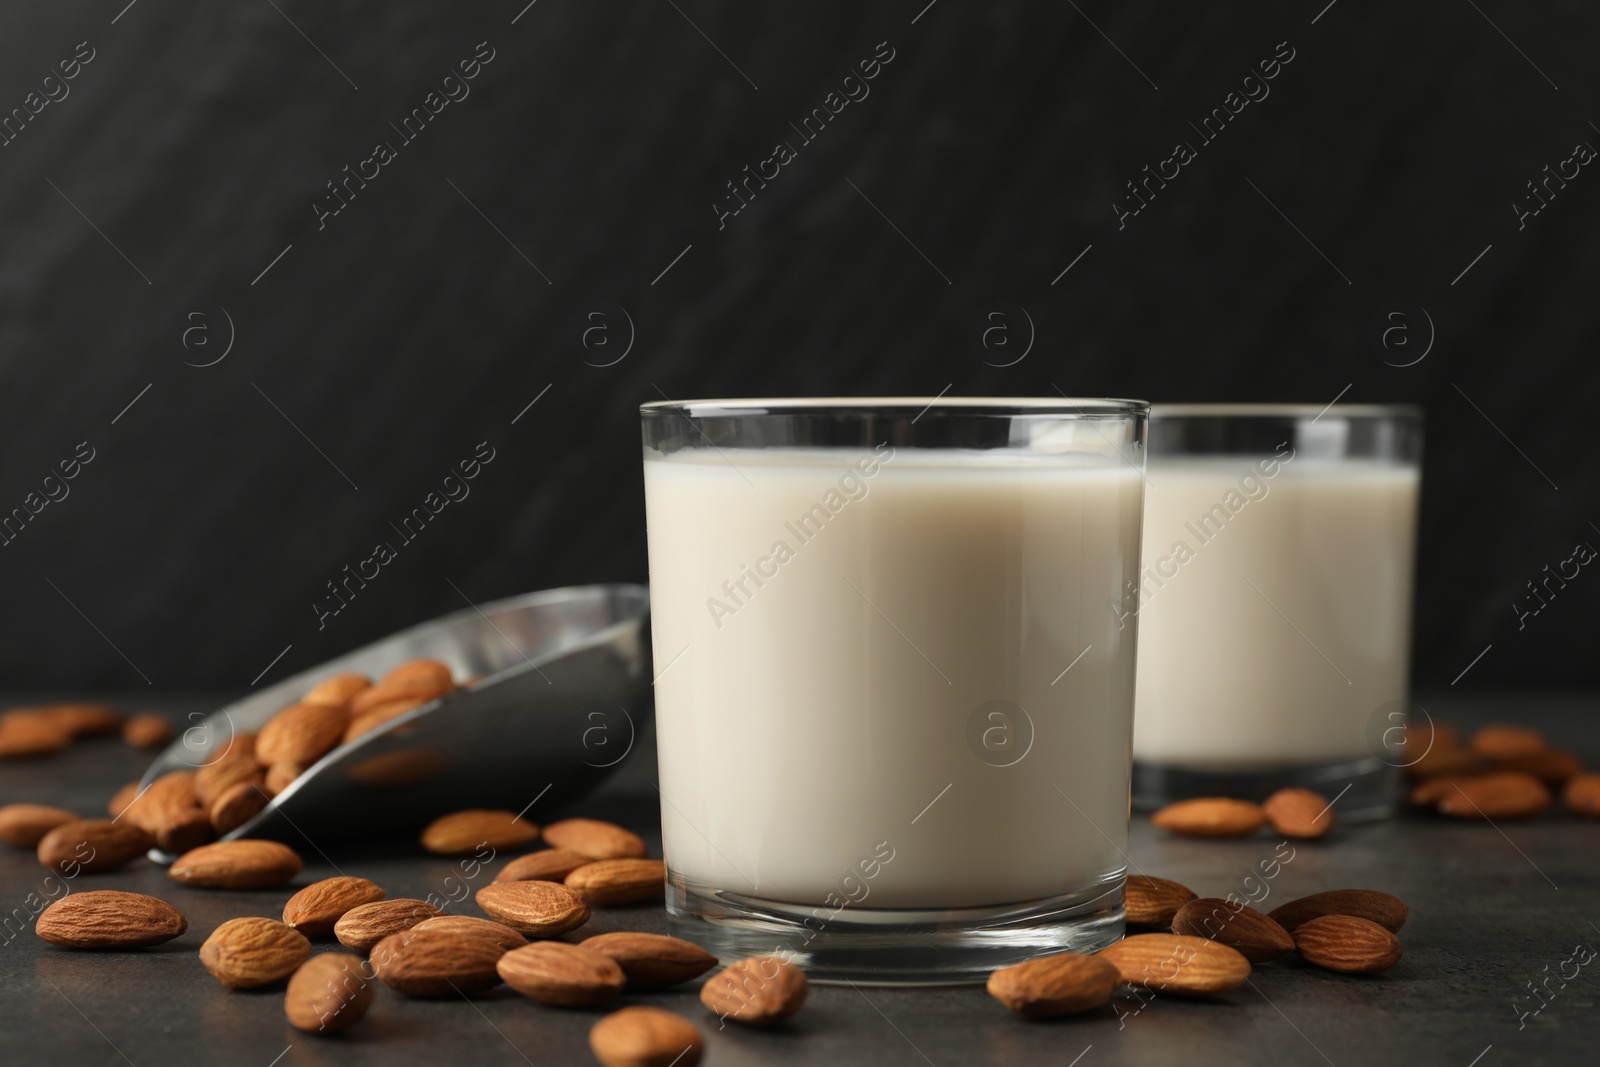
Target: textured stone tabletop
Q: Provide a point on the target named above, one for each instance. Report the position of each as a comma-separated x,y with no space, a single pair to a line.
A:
1492,909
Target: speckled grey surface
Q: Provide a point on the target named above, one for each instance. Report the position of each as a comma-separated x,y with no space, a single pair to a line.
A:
1491,909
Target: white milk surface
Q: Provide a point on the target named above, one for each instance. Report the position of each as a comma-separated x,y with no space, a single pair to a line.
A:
834,712
1270,633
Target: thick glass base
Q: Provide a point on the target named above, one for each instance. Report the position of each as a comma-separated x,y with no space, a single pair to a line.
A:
1362,790
893,946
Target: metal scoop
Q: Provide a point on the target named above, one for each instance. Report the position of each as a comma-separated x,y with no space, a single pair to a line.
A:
565,683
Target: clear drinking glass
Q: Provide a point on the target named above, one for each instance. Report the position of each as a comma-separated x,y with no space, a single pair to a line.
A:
893,696
1275,602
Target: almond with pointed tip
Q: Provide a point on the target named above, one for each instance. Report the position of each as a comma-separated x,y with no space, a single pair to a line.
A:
329,993
1299,813
301,734
1175,963
546,865
315,909
757,992
1211,817
1257,937
1154,901
24,825
646,1037
251,952
162,800
1347,944
472,928
109,919
611,882
537,909
1387,911
337,690
594,838
243,864
559,974
436,963
93,845
365,925
652,961
1063,984
462,832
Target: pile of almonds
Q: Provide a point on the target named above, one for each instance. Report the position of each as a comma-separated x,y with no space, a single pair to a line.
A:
45,729
1210,947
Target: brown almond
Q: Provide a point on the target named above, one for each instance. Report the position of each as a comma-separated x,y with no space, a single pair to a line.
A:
213,779
280,776
252,952
1439,760
337,690
646,1037
1299,813
329,993
28,735
546,865
148,729
1501,795
185,831
1502,741
611,882
162,800
364,925
756,992
237,805
242,864
88,720
380,714
462,832
418,688
1347,943
652,961
1211,817
1553,766
301,733
1387,911
24,825
554,972
593,838
1175,963
109,919
1582,794
430,673
122,798
435,963
472,928
1064,984
538,909
1154,901
1429,791
314,909
92,846
1257,937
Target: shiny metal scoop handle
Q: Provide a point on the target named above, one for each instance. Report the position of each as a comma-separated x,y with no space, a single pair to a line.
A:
565,686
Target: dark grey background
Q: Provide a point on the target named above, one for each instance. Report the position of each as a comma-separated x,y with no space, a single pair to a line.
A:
380,350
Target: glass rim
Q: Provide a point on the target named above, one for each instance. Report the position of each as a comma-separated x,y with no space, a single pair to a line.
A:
1068,407
1285,410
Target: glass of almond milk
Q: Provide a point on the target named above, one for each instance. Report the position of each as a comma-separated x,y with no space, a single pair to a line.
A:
1274,602
895,672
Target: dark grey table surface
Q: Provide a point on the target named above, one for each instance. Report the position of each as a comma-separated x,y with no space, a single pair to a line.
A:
1493,908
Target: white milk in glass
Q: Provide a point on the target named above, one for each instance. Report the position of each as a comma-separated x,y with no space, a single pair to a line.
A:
866,653
1275,611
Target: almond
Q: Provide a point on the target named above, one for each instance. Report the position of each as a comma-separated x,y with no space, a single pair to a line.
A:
593,838
211,780
88,720
364,925
28,734
279,777
185,831
1387,911
242,864
1257,937
162,800
419,674
646,1037
1582,795
92,846
24,825
314,910
472,928
1439,760
1347,943
538,909
1211,817
328,993
546,865
1299,813
237,805
628,881
468,831
554,972
1501,741
1174,963
337,690
436,963
1063,984
1553,766
122,798
1154,901
1429,791
418,687
148,729
1501,795
252,952
756,992
301,733
370,720
652,961
107,918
